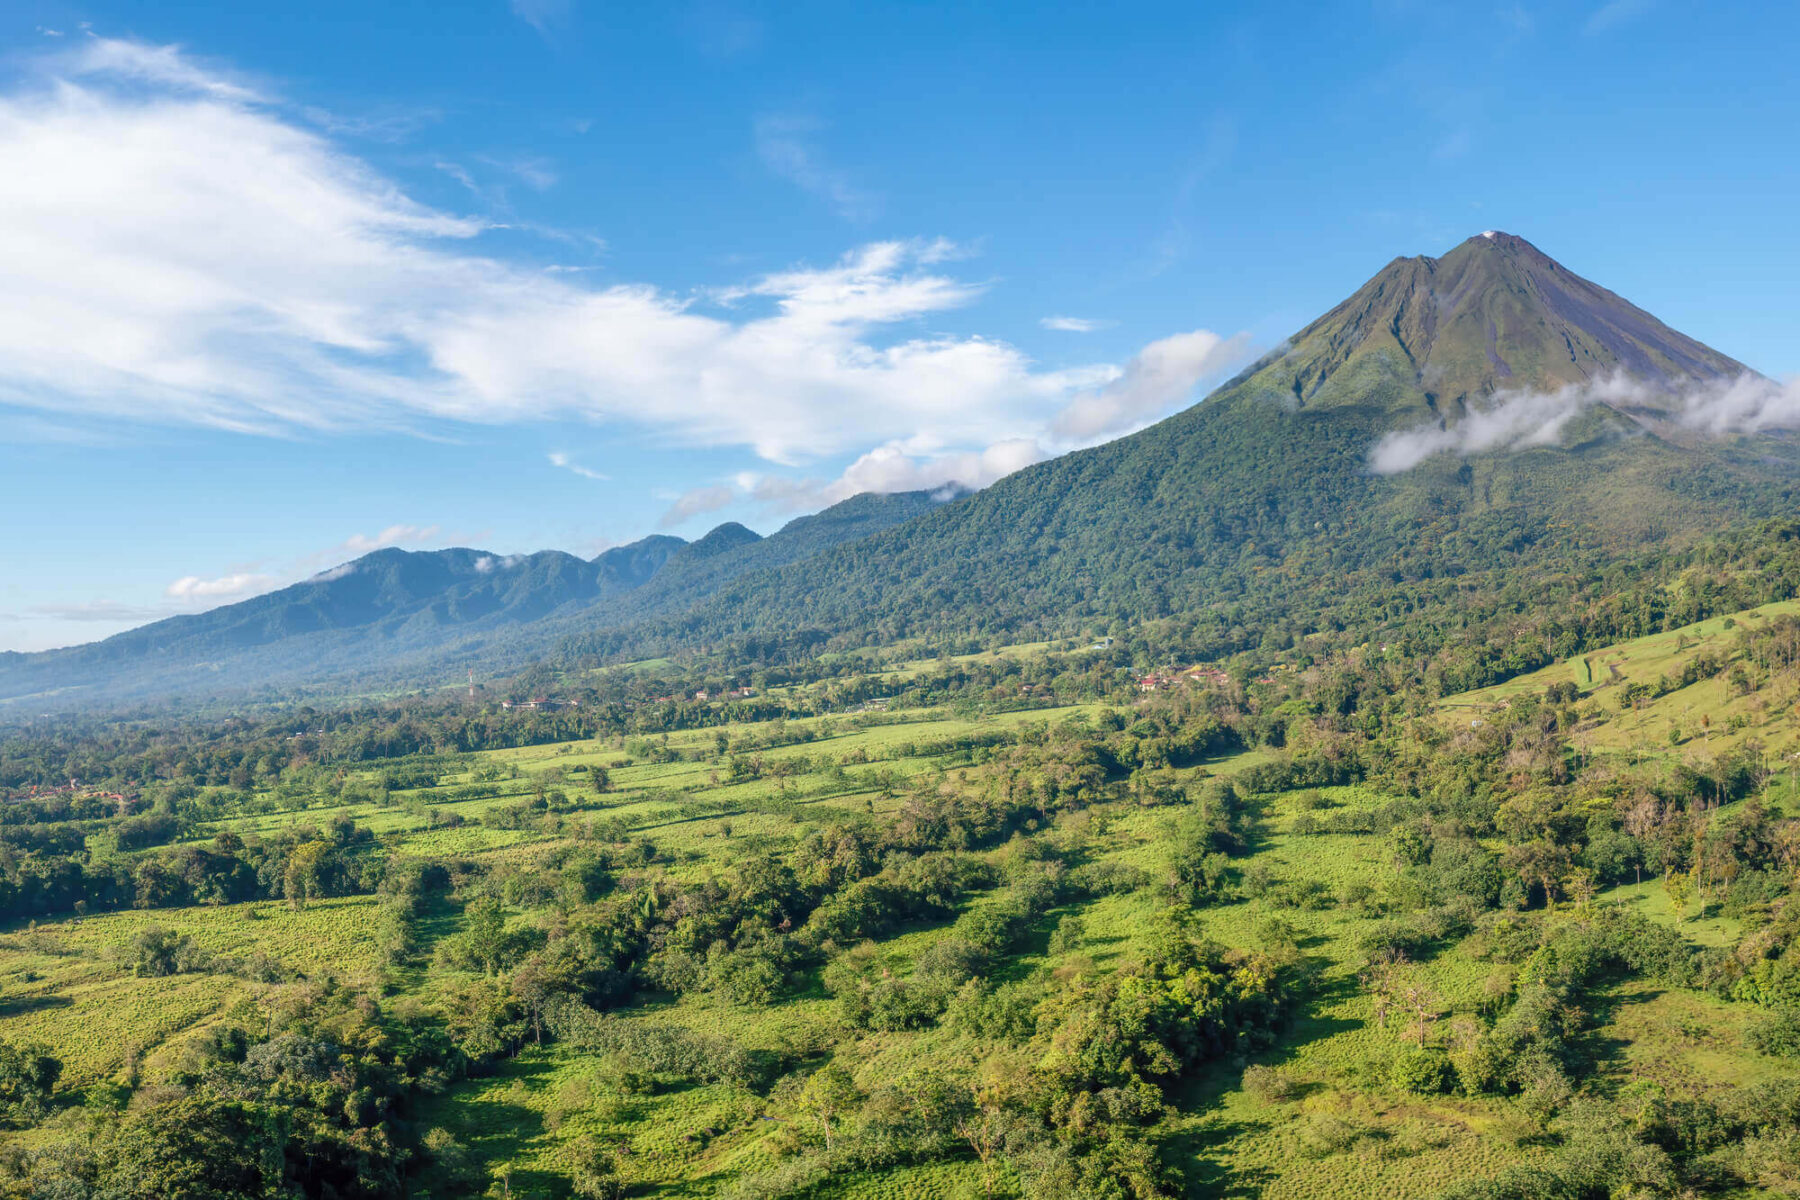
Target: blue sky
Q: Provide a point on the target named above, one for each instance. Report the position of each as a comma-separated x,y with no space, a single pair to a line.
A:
282,286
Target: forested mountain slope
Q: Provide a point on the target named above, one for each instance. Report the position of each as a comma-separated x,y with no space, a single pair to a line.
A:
1260,505
404,614
1483,417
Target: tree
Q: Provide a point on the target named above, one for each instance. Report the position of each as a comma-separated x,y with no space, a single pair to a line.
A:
198,1148
308,874
981,1114
1680,888
1642,820
594,1170
28,1074
827,1094
484,935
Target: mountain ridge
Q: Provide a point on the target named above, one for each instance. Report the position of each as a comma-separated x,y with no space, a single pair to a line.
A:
1195,515
413,603
1253,510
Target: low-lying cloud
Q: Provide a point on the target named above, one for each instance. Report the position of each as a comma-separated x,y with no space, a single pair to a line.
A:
1521,420
393,535
885,469
221,589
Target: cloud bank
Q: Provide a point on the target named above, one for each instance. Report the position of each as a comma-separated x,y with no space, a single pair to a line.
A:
185,249
1520,420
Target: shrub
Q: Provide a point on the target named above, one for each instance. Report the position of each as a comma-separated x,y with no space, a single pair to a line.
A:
1777,1033
594,1171
1268,1084
1425,1070
27,1076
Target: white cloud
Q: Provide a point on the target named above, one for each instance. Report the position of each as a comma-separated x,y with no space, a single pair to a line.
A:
1521,420
543,15
1515,421
1747,404
1162,374
161,67
784,144
696,501
1073,324
393,535
1617,13
560,459
182,250
359,544
889,468
223,589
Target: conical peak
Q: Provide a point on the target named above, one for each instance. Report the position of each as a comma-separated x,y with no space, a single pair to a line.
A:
1494,313
1495,239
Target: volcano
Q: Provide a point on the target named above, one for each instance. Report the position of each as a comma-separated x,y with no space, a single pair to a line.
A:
1259,508
1254,514
1495,314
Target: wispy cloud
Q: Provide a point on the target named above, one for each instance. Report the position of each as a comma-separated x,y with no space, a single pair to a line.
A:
98,611
883,470
388,125
1514,422
1610,16
1521,420
358,544
184,251
1073,324
695,501
537,173
720,31
221,590
559,459
543,15
1453,145
1518,19
1162,374
393,535
164,67
786,146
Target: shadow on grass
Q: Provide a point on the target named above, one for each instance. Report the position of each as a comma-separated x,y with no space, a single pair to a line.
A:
1597,1053
497,1129
14,1006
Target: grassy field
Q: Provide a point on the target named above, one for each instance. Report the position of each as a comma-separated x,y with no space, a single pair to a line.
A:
1669,725
1339,1127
